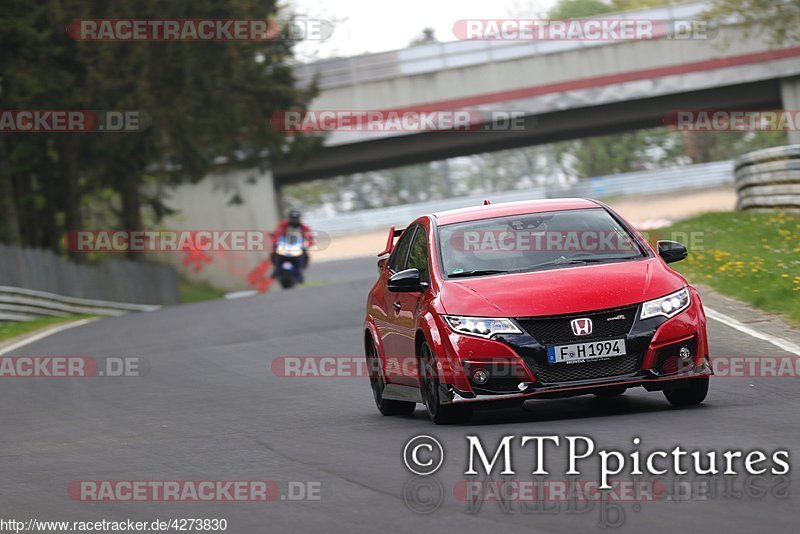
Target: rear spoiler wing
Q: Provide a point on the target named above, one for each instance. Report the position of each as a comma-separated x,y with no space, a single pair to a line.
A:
390,240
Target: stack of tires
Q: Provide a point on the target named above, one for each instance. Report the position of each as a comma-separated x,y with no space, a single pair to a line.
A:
769,179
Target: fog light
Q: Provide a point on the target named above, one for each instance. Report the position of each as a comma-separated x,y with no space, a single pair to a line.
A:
480,377
685,352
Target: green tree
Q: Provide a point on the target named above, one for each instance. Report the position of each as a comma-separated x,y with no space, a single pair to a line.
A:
779,19
426,36
209,102
570,9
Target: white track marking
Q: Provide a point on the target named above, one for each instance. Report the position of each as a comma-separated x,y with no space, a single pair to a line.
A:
43,334
241,294
779,342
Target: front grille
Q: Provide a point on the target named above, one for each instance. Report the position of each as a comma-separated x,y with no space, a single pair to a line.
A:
567,372
557,330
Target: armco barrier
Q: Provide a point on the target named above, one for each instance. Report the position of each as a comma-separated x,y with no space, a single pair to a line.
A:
36,282
18,304
688,177
769,179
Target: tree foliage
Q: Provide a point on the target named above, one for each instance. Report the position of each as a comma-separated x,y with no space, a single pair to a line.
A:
210,102
778,19
571,9
640,150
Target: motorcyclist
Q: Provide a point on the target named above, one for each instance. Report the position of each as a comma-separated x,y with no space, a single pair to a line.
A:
293,223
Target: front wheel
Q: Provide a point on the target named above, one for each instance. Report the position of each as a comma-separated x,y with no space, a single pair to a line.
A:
440,414
694,393
287,281
385,406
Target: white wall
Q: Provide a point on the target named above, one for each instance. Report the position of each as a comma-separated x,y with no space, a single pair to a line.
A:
205,206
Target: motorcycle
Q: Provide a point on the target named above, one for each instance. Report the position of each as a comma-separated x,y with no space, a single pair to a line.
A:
289,259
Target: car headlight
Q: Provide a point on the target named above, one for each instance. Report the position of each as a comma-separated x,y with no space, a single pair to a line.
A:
667,306
481,326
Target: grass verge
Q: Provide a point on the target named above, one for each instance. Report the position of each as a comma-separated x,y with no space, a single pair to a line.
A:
10,329
197,292
753,257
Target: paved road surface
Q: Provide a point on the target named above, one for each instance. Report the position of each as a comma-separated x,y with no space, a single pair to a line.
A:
209,407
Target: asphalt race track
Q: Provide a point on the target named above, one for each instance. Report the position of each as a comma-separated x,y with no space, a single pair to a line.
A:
209,407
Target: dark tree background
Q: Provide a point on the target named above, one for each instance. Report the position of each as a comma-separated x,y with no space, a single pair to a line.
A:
210,102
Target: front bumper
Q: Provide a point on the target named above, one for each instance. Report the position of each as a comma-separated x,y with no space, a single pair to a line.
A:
646,379
651,361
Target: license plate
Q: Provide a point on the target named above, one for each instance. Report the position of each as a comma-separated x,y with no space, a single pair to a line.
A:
582,352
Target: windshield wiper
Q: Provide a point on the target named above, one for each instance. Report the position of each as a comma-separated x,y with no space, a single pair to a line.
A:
477,272
581,261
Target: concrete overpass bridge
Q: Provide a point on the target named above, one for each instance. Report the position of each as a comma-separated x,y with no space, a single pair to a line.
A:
566,89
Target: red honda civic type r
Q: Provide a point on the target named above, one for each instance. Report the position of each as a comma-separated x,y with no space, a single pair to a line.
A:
502,303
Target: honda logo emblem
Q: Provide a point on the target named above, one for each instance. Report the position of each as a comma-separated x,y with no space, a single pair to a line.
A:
581,327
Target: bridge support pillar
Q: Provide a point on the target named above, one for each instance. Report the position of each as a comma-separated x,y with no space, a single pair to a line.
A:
280,205
790,94
206,205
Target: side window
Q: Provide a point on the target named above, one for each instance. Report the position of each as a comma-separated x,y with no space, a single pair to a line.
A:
418,257
398,260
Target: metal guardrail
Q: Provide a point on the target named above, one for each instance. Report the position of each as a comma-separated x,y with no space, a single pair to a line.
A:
769,179
114,280
402,215
700,176
19,304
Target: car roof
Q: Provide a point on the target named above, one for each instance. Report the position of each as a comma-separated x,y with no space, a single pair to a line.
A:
504,209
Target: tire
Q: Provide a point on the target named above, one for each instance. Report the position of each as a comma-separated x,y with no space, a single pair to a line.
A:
385,406
694,393
440,414
287,282
611,392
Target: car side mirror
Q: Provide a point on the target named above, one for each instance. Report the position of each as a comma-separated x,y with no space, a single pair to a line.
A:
407,281
671,251
382,264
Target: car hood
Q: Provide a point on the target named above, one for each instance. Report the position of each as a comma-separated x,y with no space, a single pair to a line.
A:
560,291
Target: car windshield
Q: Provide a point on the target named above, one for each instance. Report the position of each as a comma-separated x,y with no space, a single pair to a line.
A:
532,242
